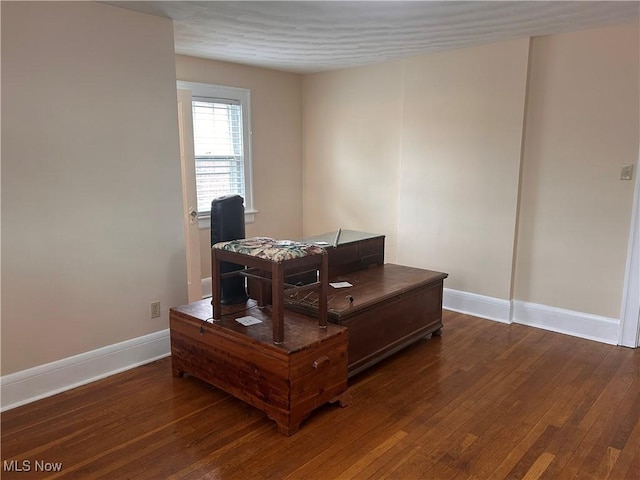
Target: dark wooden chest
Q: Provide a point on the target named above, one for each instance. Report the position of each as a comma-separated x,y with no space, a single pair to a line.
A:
387,308
286,381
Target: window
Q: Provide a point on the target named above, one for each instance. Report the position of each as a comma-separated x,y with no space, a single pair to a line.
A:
218,149
221,144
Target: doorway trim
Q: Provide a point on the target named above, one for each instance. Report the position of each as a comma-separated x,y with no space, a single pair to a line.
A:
189,201
630,310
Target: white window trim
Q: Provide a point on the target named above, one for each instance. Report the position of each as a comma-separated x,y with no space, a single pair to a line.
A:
244,96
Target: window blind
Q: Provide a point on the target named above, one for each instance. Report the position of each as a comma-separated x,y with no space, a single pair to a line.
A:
218,149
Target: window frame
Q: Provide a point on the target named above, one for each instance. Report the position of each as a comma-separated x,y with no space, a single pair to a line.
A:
242,95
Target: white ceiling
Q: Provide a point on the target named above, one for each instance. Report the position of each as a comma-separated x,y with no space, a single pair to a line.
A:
311,36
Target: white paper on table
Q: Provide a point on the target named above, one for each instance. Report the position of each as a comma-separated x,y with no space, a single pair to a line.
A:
248,320
340,284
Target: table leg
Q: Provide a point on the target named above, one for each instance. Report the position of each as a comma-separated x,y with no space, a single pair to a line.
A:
324,291
216,293
277,302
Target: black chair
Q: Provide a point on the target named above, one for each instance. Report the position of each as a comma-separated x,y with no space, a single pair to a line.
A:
227,223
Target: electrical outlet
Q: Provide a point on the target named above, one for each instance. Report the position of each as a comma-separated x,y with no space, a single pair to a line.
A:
627,171
155,309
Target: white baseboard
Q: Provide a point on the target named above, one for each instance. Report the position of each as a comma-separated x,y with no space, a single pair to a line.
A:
569,322
45,380
491,308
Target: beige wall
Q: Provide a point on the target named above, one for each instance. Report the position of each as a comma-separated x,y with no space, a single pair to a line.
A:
276,117
449,139
582,125
461,144
426,151
352,132
91,197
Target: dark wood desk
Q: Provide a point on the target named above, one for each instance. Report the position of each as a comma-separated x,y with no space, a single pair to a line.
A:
354,251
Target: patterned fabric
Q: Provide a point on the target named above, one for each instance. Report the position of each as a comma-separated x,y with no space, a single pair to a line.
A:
270,249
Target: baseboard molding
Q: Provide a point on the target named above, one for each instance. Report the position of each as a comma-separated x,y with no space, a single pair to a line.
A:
46,380
43,381
569,322
491,308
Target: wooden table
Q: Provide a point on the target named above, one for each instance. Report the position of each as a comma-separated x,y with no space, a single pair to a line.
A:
270,259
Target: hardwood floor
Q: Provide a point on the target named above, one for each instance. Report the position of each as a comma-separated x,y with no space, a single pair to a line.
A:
485,401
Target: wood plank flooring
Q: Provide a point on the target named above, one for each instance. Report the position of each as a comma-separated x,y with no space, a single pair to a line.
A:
484,401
